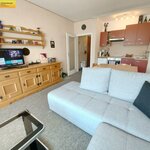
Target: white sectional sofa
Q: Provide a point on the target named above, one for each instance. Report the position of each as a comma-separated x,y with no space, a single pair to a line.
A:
102,105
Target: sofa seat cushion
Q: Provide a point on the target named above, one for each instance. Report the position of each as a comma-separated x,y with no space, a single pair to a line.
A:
70,101
126,85
128,118
87,109
95,79
108,137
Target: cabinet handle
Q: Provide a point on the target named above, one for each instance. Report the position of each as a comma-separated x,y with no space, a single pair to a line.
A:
24,84
36,76
44,68
28,71
7,76
38,84
39,75
1,97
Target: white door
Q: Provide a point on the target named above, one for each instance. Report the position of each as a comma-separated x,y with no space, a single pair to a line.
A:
71,47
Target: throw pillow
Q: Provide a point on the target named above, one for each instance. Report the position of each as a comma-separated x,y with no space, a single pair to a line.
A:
142,101
95,79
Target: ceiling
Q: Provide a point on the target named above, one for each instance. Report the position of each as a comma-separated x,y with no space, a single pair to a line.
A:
77,10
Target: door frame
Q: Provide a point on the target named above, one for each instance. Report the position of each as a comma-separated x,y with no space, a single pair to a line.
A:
91,50
67,53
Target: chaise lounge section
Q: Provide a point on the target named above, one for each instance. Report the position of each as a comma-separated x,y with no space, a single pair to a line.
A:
106,103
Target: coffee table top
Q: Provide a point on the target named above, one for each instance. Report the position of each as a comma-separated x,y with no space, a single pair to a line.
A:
20,131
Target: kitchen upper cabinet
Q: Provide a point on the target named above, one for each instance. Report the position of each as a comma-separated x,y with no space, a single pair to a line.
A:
130,34
117,34
103,38
143,34
137,34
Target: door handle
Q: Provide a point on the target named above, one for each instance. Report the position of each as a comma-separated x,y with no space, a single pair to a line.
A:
7,76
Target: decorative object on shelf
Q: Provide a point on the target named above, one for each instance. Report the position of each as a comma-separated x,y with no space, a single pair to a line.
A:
52,44
83,27
140,19
43,57
25,41
38,30
145,20
30,42
50,60
19,41
26,51
18,29
1,25
105,25
11,29
14,41
35,43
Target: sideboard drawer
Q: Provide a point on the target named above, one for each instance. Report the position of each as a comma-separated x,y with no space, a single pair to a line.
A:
27,72
55,66
8,76
44,68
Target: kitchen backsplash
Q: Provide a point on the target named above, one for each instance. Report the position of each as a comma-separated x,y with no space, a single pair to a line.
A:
117,49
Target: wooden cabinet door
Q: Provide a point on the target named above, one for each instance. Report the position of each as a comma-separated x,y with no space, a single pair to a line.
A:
141,64
9,89
117,34
44,78
55,75
29,82
130,34
128,61
103,38
143,34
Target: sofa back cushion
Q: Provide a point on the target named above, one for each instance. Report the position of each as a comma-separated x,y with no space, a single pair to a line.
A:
95,79
126,85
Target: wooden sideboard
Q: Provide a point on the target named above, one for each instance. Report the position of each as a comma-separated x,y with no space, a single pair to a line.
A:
18,83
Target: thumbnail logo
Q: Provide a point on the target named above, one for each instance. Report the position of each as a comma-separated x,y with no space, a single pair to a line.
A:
7,3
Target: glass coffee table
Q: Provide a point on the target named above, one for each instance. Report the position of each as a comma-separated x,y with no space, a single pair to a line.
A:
20,133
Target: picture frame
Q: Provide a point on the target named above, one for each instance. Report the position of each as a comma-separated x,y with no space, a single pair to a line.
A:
52,44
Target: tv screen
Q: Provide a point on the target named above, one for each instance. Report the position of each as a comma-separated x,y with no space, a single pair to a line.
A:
11,57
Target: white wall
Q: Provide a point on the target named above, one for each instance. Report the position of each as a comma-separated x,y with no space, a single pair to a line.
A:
53,26
91,25
121,23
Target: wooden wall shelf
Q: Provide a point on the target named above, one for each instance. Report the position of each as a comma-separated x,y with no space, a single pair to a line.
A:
11,44
23,31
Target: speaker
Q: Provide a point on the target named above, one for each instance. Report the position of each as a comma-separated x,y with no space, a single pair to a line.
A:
26,51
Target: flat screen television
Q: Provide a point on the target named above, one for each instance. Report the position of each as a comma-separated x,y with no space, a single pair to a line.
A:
11,57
